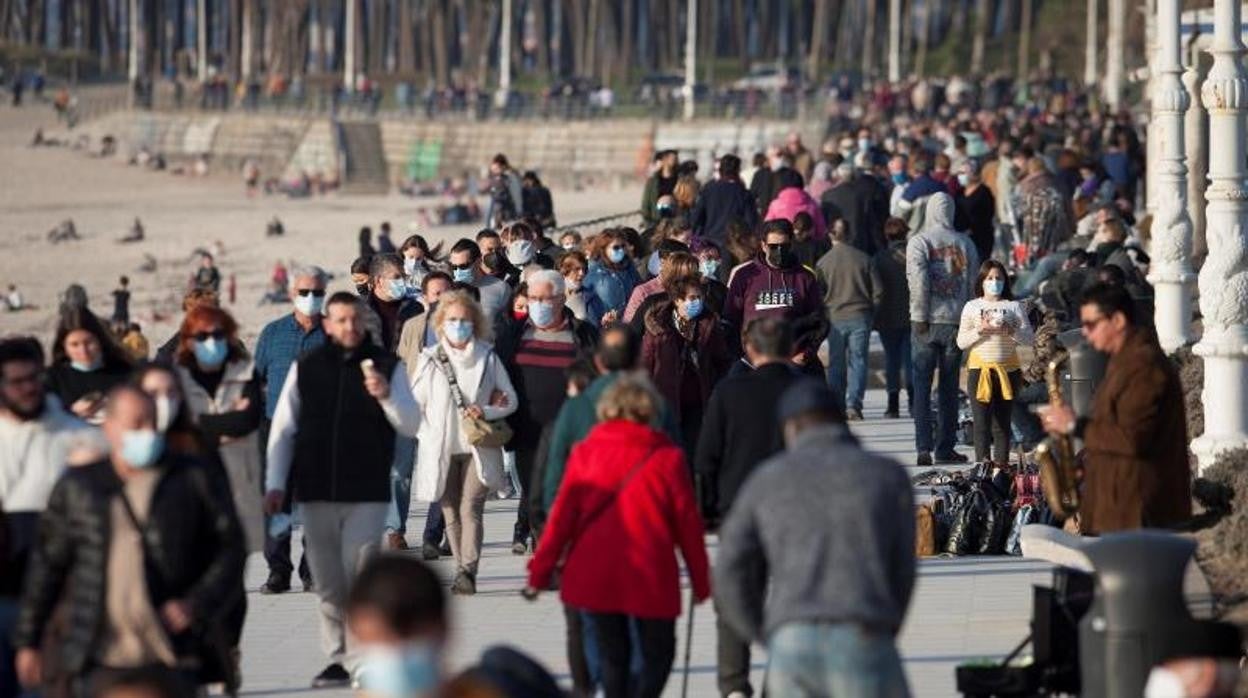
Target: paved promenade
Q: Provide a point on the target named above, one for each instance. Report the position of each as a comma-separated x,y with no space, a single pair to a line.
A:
965,608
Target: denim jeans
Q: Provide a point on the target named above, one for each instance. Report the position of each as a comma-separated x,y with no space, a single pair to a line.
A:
847,344
898,368
936,353
833,659
401,484
623,640
1026,426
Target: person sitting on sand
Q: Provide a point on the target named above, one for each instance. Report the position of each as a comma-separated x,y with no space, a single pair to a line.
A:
13,299
136,233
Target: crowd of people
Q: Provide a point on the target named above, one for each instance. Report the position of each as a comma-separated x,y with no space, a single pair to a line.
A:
642,387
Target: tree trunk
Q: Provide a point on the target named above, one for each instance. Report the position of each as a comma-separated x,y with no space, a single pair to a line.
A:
440,56
543,39
674,35
907,34
592,28
627,33
574,15
407,46
925,28
1024,42
981,36
818,28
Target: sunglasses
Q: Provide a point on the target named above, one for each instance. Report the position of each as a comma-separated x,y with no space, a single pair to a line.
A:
205,336
316,292
1089,325
615,248
466,265
781,246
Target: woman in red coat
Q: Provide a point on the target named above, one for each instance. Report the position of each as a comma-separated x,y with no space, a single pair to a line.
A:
625,504
685,353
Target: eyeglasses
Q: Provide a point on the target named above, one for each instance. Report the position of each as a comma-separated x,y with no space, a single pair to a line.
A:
465,265
205,336
1089,325
778,246
616,248
316,292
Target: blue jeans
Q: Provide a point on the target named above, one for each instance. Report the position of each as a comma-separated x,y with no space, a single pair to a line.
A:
847,343
401,484
898,368
833,659
936,351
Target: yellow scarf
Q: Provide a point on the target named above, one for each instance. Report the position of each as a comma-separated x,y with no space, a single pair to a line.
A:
983,389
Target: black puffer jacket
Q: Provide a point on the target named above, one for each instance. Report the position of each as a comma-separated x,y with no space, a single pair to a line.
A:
195,553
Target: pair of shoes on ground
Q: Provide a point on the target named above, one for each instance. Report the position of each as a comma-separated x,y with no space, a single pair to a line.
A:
432,551
954,458
279,583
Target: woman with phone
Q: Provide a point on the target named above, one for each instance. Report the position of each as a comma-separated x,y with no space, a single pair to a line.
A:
87,362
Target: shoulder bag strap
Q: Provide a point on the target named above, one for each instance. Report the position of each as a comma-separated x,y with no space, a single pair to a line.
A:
444,363
596,514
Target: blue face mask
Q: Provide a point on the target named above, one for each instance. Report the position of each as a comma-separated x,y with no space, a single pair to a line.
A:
463,276
457,331
617,254
310,305
964,180
994,287
397,288
899,178
141,448
405,672
653,266
542,313
694,308
210,353
86,367
709,267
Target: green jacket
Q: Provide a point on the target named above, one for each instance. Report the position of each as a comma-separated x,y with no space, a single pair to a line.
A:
576,418
650,200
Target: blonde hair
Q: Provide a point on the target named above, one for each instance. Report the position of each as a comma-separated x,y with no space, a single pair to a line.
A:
481,328
686,191
633,398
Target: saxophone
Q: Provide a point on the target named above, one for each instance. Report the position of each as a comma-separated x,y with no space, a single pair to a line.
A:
1059,478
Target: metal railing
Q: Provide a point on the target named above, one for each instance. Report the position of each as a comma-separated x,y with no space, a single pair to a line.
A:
596,222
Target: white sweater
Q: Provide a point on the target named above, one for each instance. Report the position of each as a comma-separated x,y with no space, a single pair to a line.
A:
978,314
33,454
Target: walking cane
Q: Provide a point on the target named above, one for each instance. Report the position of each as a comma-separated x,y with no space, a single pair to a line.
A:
684,683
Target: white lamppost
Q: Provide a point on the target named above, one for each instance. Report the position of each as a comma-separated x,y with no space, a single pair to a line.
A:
1224,277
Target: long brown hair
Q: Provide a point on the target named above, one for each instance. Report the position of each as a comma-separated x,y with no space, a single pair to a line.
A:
987,266
74,318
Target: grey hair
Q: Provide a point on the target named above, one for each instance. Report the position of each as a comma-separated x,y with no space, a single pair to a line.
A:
548,276
381,262
305,270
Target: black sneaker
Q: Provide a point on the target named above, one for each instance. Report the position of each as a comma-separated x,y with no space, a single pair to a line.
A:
445,549
924,459
277,583
430,551
952,458
333,676
465,584
308,585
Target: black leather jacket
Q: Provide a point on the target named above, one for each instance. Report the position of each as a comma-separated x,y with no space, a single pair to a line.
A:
194,552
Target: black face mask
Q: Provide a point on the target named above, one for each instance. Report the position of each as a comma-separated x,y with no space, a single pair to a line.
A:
362,289
780,256
497,262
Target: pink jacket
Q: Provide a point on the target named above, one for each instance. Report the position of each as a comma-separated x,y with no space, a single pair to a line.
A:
792,201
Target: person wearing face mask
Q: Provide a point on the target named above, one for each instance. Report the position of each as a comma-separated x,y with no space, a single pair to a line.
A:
977,208
86,364
37,438
669,251
714,291
399,613
416,259
573,265
96,539
899,179
332,445
611,276
570,241
223,396
465,267
537,352
360,279
775,285
281,342
460,377
390,303
661,183
685,353
993,326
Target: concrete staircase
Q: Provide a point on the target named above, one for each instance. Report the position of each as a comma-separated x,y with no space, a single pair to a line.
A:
365,170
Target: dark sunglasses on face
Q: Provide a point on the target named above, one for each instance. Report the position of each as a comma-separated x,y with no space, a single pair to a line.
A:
205,336
465,265
1089,325
317,292
779,246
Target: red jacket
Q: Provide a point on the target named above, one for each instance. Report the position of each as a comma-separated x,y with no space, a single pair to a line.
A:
623,561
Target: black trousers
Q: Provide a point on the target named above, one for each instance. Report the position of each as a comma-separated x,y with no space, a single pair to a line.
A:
579,668
277,550
526,456
658,653
992,418
732,652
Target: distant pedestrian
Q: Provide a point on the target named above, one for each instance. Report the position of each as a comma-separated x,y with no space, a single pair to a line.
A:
892,316
121,302
207,278
852,291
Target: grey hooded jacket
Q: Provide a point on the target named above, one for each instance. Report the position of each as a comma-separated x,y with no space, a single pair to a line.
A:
941,266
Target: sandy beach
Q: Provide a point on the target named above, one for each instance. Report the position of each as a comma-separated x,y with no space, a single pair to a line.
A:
39,187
